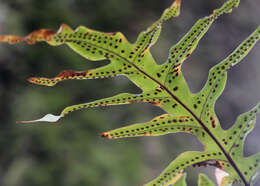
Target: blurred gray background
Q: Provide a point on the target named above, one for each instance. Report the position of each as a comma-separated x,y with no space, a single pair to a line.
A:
71,153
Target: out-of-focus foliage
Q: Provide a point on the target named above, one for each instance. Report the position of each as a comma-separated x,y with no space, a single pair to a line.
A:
72,154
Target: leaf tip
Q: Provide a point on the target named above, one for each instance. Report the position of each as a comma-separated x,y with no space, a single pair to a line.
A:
42,81
11,39
106,135
47,118
178,2
64,27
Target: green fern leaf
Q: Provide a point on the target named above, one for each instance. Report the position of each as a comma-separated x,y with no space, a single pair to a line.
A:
181,181
163,86
204,181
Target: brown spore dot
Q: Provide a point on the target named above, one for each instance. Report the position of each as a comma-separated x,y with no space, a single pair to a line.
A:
175,88
174,105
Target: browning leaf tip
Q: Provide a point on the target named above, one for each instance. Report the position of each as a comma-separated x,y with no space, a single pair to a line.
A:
39,35
64,27
11,39
105,135
42,81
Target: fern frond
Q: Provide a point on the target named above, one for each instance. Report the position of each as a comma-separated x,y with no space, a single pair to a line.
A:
163,86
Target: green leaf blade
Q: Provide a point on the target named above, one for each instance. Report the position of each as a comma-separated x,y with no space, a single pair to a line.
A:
160,125
204,181
184,160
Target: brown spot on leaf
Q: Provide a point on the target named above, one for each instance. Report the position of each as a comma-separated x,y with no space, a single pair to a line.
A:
156,103
160,117
38,35
111,33
147,134
213,123
105,135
